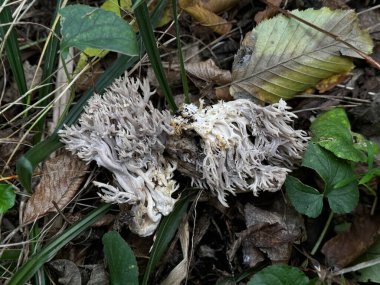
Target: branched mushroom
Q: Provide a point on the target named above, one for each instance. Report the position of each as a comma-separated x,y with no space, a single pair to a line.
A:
125,134
231,146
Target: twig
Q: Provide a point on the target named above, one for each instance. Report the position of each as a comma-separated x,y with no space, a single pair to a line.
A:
357,267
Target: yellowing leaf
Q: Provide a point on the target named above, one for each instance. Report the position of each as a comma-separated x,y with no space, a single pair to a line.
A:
283,57
206,17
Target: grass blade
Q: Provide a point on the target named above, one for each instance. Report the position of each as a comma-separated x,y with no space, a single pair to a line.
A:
13,52
164,235
48,252
185,85
147,36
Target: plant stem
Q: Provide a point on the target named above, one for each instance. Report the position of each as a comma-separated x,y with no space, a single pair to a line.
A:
323,233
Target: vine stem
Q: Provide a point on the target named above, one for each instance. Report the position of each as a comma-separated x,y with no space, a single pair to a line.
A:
323,233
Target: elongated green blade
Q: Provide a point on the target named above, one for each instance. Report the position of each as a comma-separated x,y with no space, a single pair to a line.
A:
283,57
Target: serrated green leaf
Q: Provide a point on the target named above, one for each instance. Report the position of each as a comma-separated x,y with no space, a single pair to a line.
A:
121,260
90,27
333,170
7,197
332,131
282,56
305,199
279,275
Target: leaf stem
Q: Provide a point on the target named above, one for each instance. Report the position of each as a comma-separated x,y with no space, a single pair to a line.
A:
323,233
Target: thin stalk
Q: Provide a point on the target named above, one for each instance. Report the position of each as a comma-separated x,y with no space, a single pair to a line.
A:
12,51
323,233
185,85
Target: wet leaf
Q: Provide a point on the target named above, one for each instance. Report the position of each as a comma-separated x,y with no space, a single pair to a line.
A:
332,131
305,199
121,260
59,183
333,171
90,27
7,197
283,57
279,275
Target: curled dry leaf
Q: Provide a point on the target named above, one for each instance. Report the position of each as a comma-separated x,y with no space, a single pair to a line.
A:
269,11
283,56
60,181
206,17
67,271
209,71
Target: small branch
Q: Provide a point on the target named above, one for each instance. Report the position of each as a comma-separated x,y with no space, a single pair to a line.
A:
358,266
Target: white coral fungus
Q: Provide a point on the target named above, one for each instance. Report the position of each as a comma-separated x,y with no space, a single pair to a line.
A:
232,146
124,133
244,146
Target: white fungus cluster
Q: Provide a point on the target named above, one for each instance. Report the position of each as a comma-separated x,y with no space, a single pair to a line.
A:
125,134
245,147
233,146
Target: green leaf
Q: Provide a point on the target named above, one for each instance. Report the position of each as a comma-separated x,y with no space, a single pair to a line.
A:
280,274
7,197
332,131
121,260
283,56
305,199
90,27
333,170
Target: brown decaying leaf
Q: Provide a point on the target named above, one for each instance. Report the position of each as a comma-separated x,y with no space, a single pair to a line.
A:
344,248
206,17
60,180
218,6
209,71
268,12
67,271
269,233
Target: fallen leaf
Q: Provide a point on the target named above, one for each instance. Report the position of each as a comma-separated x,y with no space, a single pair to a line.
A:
206,17
283,57
98,276
209,71
269,11
218,6
67,271
270,233
60,180
344,248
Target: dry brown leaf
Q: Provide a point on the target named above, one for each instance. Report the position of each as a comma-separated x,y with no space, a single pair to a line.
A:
269,11
206,17
218,6
61,179
270,233
344,248
209,71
